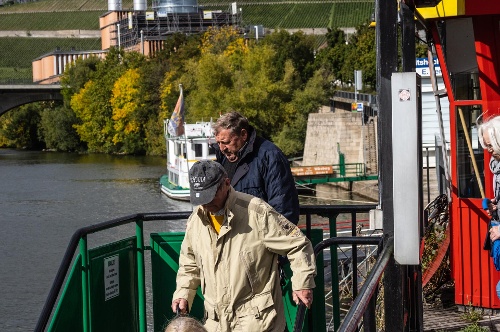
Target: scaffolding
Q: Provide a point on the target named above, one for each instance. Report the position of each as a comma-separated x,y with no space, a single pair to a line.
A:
154,27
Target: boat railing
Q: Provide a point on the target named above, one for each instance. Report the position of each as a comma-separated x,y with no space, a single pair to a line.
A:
79,241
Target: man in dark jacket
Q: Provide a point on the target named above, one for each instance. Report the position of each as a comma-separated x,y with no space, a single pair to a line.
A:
255,165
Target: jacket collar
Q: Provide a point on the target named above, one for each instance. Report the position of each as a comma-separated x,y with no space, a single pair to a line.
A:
231,198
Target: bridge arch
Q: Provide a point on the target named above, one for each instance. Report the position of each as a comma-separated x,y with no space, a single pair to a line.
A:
12,96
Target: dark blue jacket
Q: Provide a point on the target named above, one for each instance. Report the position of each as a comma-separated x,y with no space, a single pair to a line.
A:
263,171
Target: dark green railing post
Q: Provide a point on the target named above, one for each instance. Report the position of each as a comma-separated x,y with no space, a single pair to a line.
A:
140,276
342,164
85,284
335,274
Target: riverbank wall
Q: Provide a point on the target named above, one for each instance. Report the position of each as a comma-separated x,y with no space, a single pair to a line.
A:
330,133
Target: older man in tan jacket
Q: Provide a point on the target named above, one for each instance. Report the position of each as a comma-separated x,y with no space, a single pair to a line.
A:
230,249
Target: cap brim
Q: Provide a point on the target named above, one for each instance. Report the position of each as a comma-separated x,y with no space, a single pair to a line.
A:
204,196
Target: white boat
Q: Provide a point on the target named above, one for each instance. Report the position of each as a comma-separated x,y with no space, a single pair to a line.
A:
182,152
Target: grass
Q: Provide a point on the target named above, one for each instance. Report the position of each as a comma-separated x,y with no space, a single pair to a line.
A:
62,6
12,49
350,14
51,21
11,75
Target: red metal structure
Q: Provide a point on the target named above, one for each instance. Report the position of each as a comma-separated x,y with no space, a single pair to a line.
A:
466,36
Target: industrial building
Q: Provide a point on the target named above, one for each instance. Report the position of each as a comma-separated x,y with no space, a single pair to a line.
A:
142,29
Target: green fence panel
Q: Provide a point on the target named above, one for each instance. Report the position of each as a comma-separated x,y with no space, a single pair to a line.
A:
113,287
165,249
318,306
68,313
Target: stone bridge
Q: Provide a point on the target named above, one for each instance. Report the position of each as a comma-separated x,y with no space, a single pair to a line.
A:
12,96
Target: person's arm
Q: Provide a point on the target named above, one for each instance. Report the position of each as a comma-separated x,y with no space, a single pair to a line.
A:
285,239
495,233
188,276
280,185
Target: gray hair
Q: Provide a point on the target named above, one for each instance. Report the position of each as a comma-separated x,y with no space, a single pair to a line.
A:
492,127
233,121
185,324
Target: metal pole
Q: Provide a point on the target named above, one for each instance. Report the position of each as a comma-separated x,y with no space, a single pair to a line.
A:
412,282
335,275
118,31
85,284
141,291
428,182
387,49
142,42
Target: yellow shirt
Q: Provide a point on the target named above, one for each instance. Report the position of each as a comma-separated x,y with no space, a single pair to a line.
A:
217,221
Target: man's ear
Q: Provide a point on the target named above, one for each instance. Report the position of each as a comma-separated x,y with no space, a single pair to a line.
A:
244,134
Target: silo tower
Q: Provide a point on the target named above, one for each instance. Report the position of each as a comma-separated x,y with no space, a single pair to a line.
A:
114,5
140,5
164,7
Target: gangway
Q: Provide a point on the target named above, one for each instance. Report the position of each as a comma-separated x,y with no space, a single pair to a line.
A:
346,172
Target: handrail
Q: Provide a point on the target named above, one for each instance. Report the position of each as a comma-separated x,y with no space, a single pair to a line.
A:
308,210
358,240
73,244
351,320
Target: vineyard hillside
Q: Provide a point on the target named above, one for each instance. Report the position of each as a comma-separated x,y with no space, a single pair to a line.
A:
19,44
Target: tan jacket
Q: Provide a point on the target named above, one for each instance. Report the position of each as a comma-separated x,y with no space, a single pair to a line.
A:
238,270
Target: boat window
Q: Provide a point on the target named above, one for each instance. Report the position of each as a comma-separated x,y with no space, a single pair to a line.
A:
463,69
211,149
173,178
177,149
198,150
469,151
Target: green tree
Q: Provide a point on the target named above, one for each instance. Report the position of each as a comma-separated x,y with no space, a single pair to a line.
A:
126,116
57,129
291,138
92,104
19,127
332,57
76,75
297,47
366,54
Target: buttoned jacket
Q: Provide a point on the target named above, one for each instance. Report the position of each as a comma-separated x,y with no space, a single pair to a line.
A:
237,269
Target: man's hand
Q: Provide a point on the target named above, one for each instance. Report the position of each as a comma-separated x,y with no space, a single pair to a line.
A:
494,233
182,304
305,295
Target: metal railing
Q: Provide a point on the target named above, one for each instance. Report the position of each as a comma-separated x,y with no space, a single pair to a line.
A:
355,241
79,239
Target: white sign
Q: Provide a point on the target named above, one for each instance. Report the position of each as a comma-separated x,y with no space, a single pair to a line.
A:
359,107
207,14
422,67
111,277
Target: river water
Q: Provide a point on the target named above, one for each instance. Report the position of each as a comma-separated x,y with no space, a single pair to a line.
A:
45,197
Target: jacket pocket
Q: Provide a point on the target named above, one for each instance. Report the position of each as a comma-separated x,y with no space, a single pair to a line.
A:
256,305
257,315
248,264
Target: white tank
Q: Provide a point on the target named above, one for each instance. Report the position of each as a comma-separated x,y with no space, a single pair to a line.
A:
176,6
114,5
140,5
